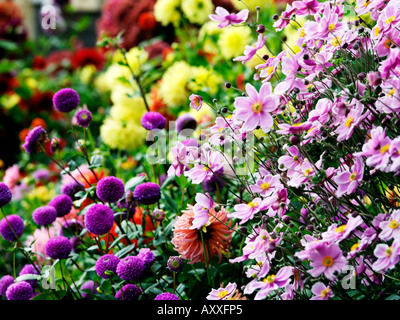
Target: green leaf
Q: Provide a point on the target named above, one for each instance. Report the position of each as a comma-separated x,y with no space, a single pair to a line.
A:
28,277
182,181
132,183
170,203
8,45
393,297
96,161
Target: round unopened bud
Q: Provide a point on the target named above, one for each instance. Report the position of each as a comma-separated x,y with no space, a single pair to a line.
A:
275,17
286,219
228,85
294,140
224,110
158,215
217,208
260,28
129,197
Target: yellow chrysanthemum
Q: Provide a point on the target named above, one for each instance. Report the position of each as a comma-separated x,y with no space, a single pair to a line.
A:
207,31
10,101
197,11
121,95
167,11
252,4
131,111
136,57
42,193
112,77
204,80
87,73
124,135
232,41
173,88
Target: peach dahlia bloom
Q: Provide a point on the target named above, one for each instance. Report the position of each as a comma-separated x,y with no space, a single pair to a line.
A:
218,235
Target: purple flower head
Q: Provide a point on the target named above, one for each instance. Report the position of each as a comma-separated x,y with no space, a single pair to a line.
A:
196,102
88,287
185,121
158,215
12,227
29,269
58,247
211,184
72,188
255,109
5,282
222,293
129,292
267,185
391,227
34,140
130,268
175,264
147,256
5,194
306,7
41,174
147,193
108,262
166,296
83,118
110,189
45,215
246,212
374,78
66,100
387,256
321,292
225,18
348,181
62,203
99,219
153,120
21,290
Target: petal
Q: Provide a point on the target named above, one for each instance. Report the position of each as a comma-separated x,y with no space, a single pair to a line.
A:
251,92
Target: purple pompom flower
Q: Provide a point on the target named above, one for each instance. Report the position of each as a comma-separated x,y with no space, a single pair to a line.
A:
88,285
99,219
12,227
30,269
19,291
5,194
147,256
166,296
72,188
129,292
62,203
83,118
110,189
44,215
58,247
34,140
130,268
108,262
185,121
153,120
66,100
147,193
5,282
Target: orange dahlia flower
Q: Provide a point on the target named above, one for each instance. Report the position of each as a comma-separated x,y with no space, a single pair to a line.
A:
217,236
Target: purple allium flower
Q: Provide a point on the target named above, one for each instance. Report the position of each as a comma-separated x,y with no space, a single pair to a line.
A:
12,226
34,140
225,18
185,121
130,268
72,188
222,293
29,269
58,247
129,292
83,118
147,256
391,228
44,215
19,291
108,262
110,189
5,194
99,219
153,120
175,264
196,102
5,282
41,174
62,203
147,193
88,285
321,292
66,100
158,215
166,296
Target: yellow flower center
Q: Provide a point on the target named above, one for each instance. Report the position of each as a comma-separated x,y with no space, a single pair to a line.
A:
377,30
332,26
336,42
253,204
308,171
341,229
355,246
302,33
325,292
265,185
270,279
385,148
327,261
222,294
257,107
366,3
349,121
205,169
353,176
390,19
391,92
270,70
393,224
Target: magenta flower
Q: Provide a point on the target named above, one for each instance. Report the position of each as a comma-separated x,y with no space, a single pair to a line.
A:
222,293
278,203
203,204
255,109
196,102
267,185
293,160
353,120
179,164
284,18
246,212
391,227
388,256
270,283
306,7
326,260
250,51
225,18
348,181
338,233
321,292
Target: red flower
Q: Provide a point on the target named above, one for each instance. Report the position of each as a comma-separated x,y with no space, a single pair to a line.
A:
147,21
87,56
39,63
